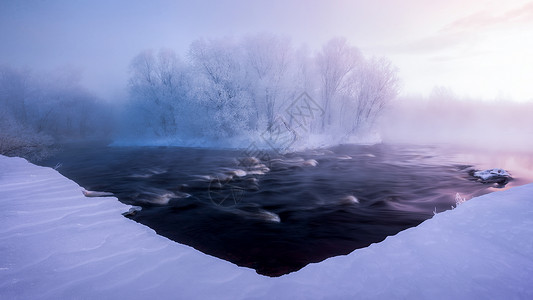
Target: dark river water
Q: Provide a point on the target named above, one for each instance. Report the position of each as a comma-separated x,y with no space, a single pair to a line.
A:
278,214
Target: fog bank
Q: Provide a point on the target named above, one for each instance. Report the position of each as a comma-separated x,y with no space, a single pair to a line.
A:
445,119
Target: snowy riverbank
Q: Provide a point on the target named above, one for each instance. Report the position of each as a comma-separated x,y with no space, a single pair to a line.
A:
57,244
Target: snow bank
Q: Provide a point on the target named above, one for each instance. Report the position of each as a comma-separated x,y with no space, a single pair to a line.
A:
57,244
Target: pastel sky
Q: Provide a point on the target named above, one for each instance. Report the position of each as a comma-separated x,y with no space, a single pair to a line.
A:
478,48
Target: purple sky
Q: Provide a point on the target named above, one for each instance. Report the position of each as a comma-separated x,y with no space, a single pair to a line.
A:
479,48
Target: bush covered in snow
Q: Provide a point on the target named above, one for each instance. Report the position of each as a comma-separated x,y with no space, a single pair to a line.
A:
17,140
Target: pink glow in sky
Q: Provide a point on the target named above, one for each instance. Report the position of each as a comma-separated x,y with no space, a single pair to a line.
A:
479,48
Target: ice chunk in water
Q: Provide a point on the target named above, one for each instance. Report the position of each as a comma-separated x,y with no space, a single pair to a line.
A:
492,174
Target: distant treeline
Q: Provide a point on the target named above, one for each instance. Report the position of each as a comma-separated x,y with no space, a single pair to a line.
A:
38,111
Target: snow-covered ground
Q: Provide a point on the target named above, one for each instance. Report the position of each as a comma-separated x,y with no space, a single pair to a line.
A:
57,244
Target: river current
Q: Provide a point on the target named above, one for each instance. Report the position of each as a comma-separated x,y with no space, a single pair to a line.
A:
278,212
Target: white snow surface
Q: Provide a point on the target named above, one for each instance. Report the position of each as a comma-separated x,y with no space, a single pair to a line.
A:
57,244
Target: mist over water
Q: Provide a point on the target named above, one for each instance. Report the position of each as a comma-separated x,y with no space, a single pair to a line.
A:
447,120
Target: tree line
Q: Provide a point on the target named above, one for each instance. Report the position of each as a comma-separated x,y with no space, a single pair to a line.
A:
225,88
220,90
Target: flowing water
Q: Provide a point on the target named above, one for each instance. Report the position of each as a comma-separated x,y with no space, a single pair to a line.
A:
278,214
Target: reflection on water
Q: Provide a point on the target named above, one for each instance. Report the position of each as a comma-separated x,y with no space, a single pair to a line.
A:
278,215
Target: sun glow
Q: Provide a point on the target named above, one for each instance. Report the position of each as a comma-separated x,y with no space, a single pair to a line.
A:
485,55
502,67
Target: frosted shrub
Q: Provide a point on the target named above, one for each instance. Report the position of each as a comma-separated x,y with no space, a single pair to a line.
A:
16,140
459,199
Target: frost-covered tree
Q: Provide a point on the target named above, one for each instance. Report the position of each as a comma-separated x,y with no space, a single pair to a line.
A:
157,86
354,89
229,88
335,62
64,109
370,88
221,86
268,61
16,139
38,110
17,136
